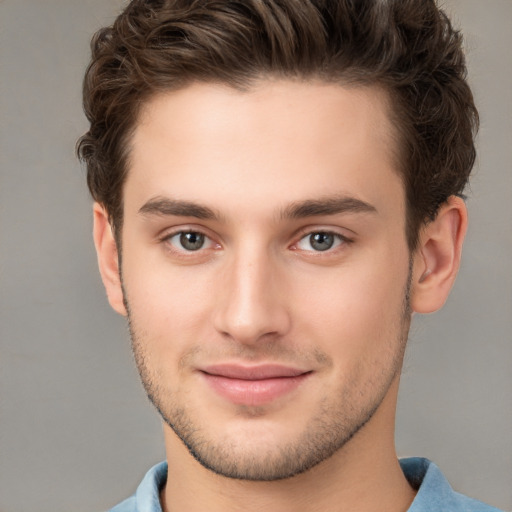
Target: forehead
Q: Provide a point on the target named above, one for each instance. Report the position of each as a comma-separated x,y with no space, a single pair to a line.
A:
278,142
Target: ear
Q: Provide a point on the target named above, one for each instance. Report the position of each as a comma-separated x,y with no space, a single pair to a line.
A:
437,257
108,258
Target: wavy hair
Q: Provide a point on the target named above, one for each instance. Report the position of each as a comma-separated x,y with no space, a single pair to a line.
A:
407,47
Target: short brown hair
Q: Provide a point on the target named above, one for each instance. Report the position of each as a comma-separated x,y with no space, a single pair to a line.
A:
408,47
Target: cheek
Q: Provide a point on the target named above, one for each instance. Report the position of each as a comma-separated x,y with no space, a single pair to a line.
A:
168,307
357,310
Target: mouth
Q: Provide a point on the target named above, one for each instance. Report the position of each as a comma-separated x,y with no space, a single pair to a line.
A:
253,385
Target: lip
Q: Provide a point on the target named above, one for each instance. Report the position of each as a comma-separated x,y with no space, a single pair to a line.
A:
253,385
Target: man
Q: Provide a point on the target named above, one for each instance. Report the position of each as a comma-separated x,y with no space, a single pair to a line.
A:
277,189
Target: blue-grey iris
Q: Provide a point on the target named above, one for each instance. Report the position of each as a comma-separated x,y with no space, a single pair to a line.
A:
192,241
321,241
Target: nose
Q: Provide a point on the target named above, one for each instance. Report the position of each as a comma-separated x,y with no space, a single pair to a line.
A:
251,304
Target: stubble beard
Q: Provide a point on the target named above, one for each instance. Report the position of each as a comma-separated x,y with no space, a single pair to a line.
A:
337,421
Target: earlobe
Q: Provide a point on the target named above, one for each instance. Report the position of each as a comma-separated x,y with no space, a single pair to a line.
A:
108,258
437,257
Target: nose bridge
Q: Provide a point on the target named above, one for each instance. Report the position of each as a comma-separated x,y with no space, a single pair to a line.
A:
251,304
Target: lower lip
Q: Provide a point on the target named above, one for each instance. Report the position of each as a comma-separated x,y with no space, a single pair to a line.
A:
254,392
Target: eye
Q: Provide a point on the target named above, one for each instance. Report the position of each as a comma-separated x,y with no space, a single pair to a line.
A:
189,241
320,241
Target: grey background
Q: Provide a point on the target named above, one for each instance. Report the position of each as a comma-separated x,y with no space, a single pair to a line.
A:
76,433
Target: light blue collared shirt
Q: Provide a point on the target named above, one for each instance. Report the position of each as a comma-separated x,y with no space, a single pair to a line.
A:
434,492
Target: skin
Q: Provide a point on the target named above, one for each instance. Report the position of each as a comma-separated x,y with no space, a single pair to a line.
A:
265,169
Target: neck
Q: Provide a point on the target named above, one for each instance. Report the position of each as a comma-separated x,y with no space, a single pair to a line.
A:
364,475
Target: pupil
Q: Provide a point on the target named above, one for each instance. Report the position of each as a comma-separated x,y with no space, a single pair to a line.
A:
192,241
321,241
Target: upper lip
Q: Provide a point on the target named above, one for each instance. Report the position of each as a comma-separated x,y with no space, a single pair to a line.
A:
257,372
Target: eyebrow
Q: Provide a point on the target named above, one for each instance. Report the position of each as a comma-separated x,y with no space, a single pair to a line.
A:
166,206
326,206
162,206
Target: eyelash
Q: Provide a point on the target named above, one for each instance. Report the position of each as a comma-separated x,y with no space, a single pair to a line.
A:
183,251
340,240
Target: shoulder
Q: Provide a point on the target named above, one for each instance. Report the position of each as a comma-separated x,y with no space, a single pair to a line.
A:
434,492
128,505
146,498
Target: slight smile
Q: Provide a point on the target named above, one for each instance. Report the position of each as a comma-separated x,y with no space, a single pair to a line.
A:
253,385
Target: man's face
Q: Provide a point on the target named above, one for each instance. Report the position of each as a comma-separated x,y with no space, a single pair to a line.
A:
265,269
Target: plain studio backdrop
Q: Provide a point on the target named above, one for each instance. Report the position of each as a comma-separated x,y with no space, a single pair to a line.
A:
76,431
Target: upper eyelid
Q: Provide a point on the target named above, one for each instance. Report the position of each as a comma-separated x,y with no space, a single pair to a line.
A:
182,252
303,232
170,232
166,235
310,230
344,242
341,238
324,231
